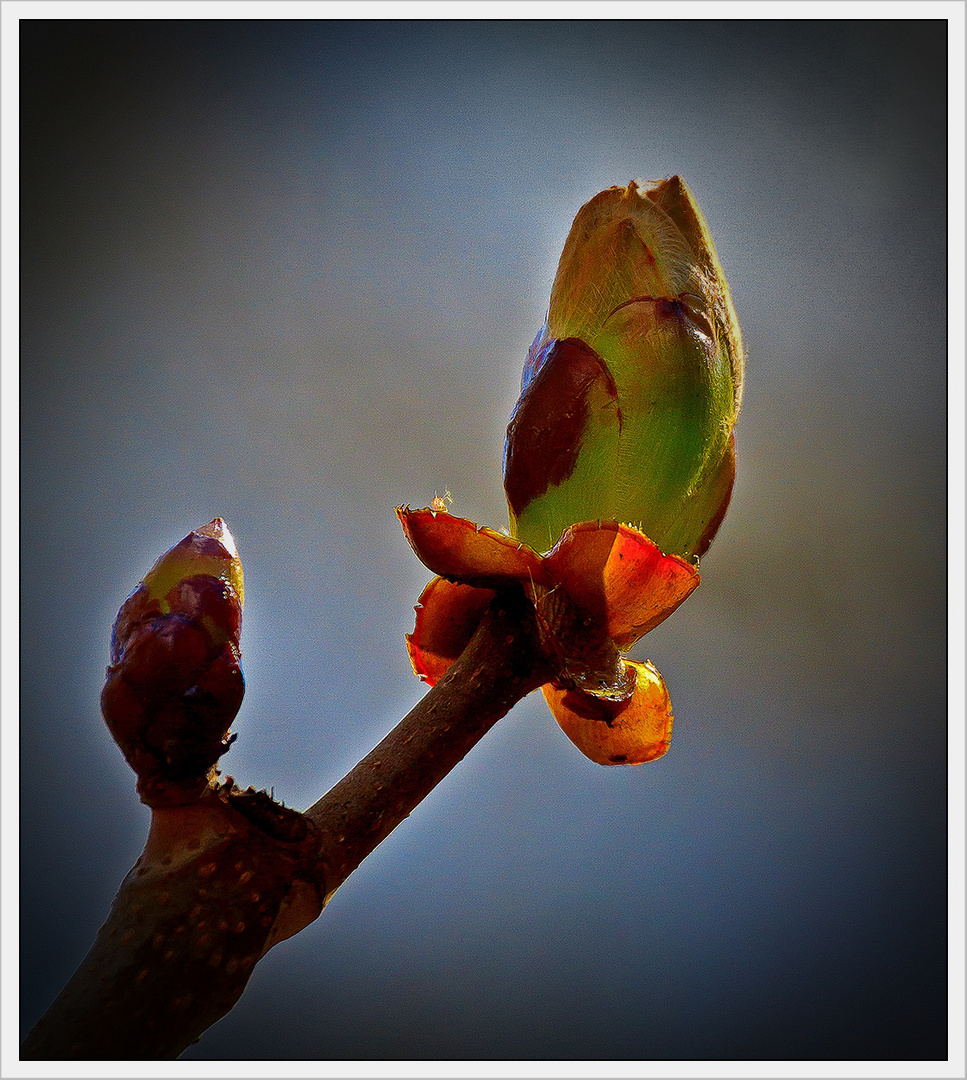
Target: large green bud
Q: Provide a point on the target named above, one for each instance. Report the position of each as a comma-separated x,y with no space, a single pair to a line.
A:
632,388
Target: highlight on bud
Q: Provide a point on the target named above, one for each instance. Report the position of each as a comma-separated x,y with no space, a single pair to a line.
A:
175,681
209,551
632,388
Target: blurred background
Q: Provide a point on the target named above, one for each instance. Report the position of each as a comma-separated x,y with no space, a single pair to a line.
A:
287,273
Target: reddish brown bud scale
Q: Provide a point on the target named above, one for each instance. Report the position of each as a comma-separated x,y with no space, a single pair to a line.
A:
594,594
569,388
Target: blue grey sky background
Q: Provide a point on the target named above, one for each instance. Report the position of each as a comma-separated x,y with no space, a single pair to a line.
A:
287,273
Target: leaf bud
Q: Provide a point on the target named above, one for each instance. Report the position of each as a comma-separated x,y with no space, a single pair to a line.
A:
175,681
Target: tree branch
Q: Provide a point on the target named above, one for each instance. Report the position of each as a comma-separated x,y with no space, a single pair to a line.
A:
222,880
502,664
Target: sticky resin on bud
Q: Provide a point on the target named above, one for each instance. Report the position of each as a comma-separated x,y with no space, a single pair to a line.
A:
628,732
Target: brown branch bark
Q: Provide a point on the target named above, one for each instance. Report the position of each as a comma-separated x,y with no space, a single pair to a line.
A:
223,880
